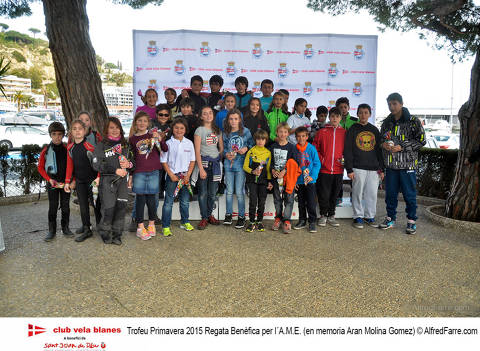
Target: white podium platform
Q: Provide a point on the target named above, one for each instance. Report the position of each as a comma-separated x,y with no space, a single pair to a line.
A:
342,211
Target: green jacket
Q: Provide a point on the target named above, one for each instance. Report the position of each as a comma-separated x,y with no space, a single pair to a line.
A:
348,122
274,118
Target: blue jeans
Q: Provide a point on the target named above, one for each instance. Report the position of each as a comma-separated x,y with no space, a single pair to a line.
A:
146,182
207,189
235,182
406,180
184,199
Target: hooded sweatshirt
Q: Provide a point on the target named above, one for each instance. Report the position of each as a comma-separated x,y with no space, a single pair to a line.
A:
329,142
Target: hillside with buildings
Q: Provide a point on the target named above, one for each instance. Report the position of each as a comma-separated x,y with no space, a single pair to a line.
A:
31,76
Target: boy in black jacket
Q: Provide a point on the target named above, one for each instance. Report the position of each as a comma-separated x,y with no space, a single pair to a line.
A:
364,165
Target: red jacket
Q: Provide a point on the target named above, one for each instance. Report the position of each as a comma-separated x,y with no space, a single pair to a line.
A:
68,176
41,163
329,143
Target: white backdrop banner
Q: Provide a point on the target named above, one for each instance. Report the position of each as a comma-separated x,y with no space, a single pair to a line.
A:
318,67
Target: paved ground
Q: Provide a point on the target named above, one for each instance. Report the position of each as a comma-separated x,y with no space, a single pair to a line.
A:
225,272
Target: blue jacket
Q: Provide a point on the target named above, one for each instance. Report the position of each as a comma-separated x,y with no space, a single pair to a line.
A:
308,159
242,100
240,141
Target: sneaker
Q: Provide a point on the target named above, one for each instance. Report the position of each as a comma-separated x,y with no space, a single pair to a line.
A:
202,225
287,227
358,223
228,219
167,231
371,222
331,220
260,227
312,228
187,226
387,223
132,227
250,227
213,221
86,234
143,234
322,221
80,230
276,224
151,230
117,241
300,225
411,228
240,223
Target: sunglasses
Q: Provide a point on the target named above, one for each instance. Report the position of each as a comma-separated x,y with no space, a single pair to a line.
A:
163,115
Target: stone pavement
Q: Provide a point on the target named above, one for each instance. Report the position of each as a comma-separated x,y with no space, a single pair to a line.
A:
225,272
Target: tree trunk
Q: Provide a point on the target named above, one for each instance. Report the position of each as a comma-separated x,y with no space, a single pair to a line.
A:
73,57
463,202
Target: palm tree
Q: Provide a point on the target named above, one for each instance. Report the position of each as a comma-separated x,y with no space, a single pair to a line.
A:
29,101
3,72
18,97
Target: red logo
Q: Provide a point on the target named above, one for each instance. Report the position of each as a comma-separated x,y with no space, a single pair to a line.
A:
35,330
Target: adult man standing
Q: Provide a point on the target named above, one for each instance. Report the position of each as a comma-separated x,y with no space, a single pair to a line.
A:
402,135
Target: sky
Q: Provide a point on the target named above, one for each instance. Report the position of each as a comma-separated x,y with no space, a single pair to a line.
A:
405,63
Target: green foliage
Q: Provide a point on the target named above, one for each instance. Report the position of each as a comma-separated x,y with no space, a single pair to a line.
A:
4,68
119,79
436,168
27,170
110,65
454,24
138,4
44,51
52,90
5,167
15,8
18,56
4,26
36,75
17,37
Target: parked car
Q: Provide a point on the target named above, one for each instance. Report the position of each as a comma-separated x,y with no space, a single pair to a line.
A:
14,137
431,143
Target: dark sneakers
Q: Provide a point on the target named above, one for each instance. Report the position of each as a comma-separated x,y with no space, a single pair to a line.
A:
240,223
387,223
81,230
300,225
202,225
66,231
251,227
85,235
312,228
228,219
260,227
358,223
52,231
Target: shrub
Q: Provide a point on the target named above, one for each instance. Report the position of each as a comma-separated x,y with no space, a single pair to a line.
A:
18,56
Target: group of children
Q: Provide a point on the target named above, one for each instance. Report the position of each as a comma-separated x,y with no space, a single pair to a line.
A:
247,143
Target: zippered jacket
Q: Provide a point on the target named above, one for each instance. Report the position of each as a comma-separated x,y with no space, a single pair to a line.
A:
329,143
274,118
407,132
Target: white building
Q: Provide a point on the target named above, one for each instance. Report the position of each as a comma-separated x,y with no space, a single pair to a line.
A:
12,84
118,99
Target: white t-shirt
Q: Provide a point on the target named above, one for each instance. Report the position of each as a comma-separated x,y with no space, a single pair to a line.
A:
295,121
179,155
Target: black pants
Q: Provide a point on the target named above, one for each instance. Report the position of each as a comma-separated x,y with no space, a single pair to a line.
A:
307,202
85,198
114,197
150,200
54,195
328,189
256,201
161,176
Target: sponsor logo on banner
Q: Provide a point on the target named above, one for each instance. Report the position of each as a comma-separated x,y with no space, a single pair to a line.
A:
358,53
179,67
308,52
153,84
231,70
282,70
204,49
357,88
152,48
307,89
331,103
35,330
332,70
205,85
256,89
257,50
